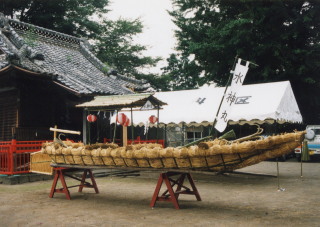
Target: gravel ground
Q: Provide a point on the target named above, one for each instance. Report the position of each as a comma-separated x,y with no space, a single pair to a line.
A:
253,196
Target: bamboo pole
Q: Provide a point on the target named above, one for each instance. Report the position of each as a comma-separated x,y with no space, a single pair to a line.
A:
221,101
124,135
55,130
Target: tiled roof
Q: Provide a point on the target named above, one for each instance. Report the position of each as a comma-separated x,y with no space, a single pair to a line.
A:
66,59
121,101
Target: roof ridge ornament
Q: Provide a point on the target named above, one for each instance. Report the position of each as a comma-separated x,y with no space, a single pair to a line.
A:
66,59
25,46
3,21
44,32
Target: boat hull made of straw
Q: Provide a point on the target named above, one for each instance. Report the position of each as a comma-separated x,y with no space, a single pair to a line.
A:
216,155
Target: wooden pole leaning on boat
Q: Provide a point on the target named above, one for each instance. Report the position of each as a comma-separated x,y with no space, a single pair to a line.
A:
228,135
250,137
58,140
65,131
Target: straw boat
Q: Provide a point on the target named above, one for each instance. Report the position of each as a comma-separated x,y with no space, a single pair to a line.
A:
216,155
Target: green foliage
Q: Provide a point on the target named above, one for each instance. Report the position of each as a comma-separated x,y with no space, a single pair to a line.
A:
73,17
282,37
115,46
156,81
112,40
31,37
181,73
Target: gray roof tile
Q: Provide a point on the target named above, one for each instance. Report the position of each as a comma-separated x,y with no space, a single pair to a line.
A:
65,58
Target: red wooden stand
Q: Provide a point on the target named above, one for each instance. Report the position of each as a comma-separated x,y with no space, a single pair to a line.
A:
60,173
171,195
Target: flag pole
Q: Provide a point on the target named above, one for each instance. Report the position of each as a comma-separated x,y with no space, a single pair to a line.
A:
215,120
221,101
234,72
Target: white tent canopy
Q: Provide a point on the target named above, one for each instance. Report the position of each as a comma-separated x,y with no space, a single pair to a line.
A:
256,103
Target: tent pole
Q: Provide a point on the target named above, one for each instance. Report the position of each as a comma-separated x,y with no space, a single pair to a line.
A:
89,131
301,175
158,123
115,128
278,171
301,172
182,134
165,135
132,129
110,129
278,176
84,126
98,127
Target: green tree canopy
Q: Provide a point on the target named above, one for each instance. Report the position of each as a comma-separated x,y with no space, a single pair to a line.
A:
112,40
115,46
180,73
282,37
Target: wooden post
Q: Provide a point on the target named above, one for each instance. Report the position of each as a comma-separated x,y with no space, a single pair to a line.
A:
55,132
84,126
124,135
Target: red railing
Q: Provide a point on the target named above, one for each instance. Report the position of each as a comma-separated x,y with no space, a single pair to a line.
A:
15,156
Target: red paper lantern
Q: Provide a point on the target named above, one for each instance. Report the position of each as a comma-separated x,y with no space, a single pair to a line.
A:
91,118
127,123
153,119
122,118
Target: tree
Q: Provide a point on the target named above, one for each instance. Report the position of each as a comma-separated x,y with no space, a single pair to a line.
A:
115,46
282,37
112,40
73,17
181,73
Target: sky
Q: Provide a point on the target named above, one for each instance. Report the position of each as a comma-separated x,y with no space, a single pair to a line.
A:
158,32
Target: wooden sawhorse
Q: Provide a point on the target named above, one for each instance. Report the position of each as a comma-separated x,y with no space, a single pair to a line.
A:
171,195
61,172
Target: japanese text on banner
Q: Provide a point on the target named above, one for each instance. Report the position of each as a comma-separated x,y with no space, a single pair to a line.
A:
230,96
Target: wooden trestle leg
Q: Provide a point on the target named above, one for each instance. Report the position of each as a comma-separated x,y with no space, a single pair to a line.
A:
171,195
84,184
60,173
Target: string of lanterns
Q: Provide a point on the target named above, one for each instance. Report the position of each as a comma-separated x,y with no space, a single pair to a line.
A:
121,118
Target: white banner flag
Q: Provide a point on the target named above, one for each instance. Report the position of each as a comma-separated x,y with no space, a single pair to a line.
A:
230,96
